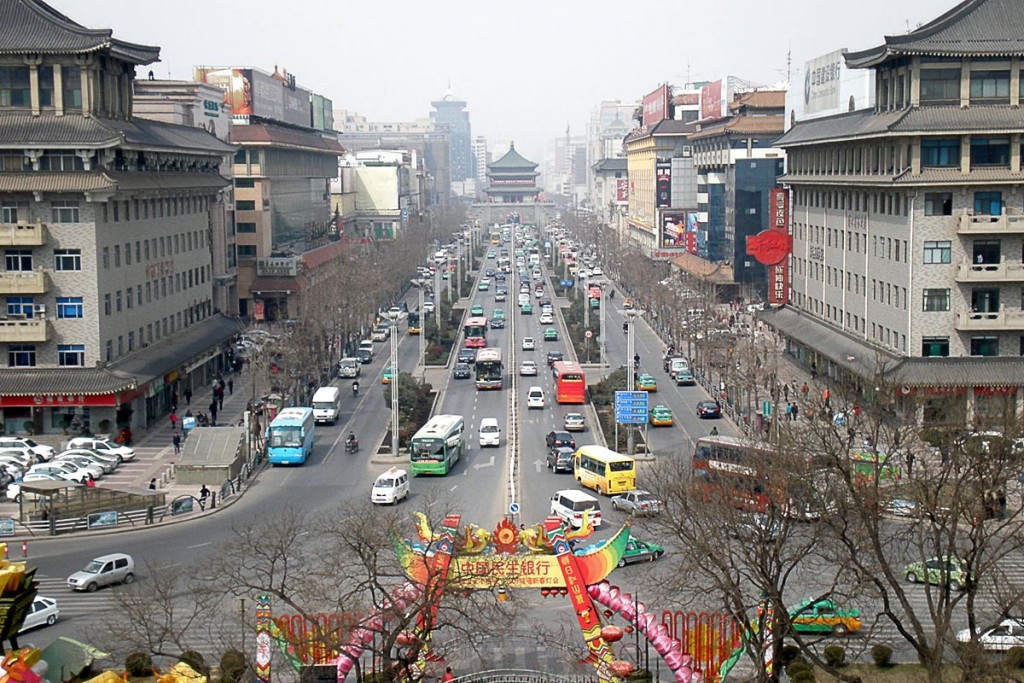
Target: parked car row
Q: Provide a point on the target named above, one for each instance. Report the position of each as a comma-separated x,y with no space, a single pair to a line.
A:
86,459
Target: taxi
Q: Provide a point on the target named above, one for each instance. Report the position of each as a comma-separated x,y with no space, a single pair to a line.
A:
661,416
498,313
646,382
387,375
477,311
824,616
526,309
550,334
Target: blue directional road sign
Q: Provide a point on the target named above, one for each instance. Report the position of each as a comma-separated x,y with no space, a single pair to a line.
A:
567,283
631,407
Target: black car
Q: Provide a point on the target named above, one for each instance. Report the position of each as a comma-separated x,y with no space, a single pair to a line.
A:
461,371
559,438
363,356
490,272
709,409
497,323
466,356
560,459
554,356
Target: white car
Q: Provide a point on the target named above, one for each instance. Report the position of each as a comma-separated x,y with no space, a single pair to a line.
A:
546,308
42,612
547,319
1002,636
428,306
101,459
102,446
69,470
535,397
19,456
597,272
14,489
88,463
528,369
41,452
528,344
490,432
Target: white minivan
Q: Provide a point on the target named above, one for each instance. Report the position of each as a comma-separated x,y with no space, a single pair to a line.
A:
390,487
490,432
535,397
327,404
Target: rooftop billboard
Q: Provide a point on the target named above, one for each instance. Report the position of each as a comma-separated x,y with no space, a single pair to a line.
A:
251,92
656,106
827,87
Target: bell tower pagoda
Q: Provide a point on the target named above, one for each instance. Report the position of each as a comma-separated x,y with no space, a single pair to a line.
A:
512,179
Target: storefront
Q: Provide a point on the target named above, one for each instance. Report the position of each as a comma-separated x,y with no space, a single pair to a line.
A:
101,408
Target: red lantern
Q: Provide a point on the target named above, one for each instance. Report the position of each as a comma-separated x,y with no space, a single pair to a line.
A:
611,634
621,668
629,629
405,639
608,614
545,592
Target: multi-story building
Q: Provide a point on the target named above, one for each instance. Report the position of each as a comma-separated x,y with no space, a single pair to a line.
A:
481,157
387,186
450,113
107,280
908,222
610,122
648,149
512,179
610,195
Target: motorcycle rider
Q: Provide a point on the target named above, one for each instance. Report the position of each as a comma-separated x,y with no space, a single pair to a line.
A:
351,442
355,388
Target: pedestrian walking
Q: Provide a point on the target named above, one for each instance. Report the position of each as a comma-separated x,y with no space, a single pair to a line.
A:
910,463
1001,500
795,411
231,386
448,675
90,482
188,396
814,371
220,400
204,494
213,413
785,392
152,484
804,389
174,400
789,412
176,440
174,421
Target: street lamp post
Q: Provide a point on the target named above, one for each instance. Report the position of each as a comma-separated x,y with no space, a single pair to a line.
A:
586,302
422,340
394,383
437,299
631,315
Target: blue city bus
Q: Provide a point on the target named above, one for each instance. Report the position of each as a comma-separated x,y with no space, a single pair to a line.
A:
290,436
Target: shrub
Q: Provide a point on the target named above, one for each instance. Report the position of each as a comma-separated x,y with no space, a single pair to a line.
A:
193,659
139,664
29,427
232,666
1015,657
804,676
835,656
788,654
881,655
796,666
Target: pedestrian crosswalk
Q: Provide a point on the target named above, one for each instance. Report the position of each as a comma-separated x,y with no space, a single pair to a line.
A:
75,605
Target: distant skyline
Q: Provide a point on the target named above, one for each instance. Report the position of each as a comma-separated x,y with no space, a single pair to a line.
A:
525,69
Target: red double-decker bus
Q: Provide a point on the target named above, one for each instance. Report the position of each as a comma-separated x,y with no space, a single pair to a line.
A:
570,382
476,333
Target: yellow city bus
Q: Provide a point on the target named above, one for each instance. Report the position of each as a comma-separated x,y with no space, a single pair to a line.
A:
604,470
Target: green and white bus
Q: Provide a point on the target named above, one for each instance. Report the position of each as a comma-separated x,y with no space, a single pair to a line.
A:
438,445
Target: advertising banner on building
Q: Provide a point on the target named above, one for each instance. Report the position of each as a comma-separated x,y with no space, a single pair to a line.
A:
773,246
656,106
622,190
712,105
821,82
673,229
663,183
779,201
251,92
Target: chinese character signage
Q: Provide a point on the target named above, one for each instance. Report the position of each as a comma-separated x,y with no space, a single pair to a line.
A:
622,190
663,183
772,247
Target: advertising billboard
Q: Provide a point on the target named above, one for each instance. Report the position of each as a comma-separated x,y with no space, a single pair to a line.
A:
622,190
773,246
828,87
322,113
673,229
251,92
663,183
821,82
656,106
712,102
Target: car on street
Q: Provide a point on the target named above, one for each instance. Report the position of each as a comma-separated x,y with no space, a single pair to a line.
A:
646,382
684,378
489,272
103,571
103,446
661,416
526,309
13,490
466,356
42,612
937,570
490,432
550,334
638,502
68,470
491,255
559,438
574,422
476,311
529,344
101,459
824,616
560,459
42,452
999,637
535,397
709,410
497,323
640,551
461,371
87,463
380,333
499,313
386,375
546,319
500,295
528,368
484,285
428,306
554,356
364,356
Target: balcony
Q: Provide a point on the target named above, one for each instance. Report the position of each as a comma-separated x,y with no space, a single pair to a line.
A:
24,331
22,234
971,224
14,282
979,273
989,321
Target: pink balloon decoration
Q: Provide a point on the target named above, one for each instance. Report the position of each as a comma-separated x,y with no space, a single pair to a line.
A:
627,611
661,647
594,590
673,660
698,677
626,597
604,593
614,592
641,608
676,645
367,637
659,630
647,622
687,659
615,603
683,677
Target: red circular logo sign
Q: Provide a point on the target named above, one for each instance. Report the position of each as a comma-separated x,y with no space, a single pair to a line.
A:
769,247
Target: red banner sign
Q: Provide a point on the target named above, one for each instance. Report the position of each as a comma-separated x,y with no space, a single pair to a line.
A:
58,400
779,200
622,190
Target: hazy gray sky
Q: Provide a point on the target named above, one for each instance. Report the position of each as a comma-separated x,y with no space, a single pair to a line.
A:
526,67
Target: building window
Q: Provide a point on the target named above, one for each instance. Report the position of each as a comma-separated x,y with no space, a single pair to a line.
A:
106,258
110,350
9,210
117,299
21,355
64,211
18,260
992,87
15,87
940,86
985,346
70,307
988,203
59,160
938,251
117,255
67,260
45,85
990,151
936,300
71,355
940,152
129,297
938,204
71,86
106,304
131,342
246,251
246,227
244,182
19,306
245,205
127,253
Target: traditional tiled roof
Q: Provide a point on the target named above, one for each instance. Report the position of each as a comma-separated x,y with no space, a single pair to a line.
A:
760,99
315,258
171,353
132,181
714,272
511,160
512,189
927,176
973,28
32,26
264,133
743,125
610,165
279,285
957,120
855,124
87,381
998,371
97,181
149,134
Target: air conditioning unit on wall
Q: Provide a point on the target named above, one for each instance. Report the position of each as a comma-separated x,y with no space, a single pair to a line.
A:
39,308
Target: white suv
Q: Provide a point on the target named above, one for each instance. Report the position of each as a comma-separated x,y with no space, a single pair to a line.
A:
535,397
102,446
42,452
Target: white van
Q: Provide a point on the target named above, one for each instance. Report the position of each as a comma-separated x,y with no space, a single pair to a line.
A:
490,432
348,368
535,397
570,504
677,365
390,487
327,404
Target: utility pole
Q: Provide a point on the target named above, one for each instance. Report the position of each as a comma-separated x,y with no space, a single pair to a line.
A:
631,315
423,341
394,383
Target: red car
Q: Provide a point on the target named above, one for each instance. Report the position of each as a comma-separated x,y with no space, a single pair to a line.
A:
709,410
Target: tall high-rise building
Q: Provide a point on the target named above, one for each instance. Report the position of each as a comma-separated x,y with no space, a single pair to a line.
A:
451,112
480,160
